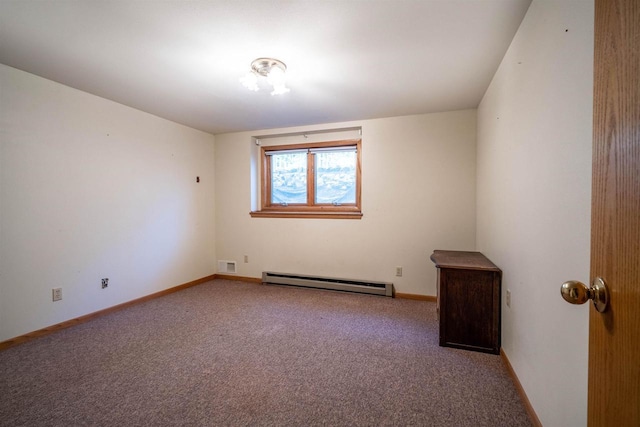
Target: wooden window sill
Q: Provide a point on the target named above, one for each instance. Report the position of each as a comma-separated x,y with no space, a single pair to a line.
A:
306,214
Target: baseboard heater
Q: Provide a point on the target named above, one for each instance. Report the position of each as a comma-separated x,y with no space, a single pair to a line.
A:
366,287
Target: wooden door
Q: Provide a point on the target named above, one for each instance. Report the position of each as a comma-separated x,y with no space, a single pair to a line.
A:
614,336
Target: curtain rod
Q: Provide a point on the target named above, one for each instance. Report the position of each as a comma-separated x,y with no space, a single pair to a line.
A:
309,132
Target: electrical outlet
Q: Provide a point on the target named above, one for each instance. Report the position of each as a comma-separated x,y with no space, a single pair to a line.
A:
246,259
509,298
105,283
399,271
57,294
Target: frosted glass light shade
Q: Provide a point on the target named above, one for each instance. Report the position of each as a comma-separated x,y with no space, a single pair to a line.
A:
250,81
274,72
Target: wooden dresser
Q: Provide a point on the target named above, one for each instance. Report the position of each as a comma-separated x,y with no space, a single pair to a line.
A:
468,300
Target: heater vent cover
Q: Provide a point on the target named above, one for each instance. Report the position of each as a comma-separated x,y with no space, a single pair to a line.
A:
350,285
227,267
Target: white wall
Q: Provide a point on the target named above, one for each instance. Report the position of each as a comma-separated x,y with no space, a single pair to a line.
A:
418,194
89,189
534,192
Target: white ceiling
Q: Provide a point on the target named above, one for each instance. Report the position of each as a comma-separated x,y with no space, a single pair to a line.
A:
347,59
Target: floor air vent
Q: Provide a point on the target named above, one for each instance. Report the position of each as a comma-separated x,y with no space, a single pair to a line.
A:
366,287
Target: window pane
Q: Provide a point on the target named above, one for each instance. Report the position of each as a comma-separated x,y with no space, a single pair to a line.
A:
289,178
335,177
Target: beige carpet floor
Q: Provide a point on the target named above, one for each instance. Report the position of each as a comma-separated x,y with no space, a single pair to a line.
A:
238,354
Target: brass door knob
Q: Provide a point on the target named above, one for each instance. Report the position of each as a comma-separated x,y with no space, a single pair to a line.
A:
578,293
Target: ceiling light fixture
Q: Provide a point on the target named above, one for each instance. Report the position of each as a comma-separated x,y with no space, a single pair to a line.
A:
274,72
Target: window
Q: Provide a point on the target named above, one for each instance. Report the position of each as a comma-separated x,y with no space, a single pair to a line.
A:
317,180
